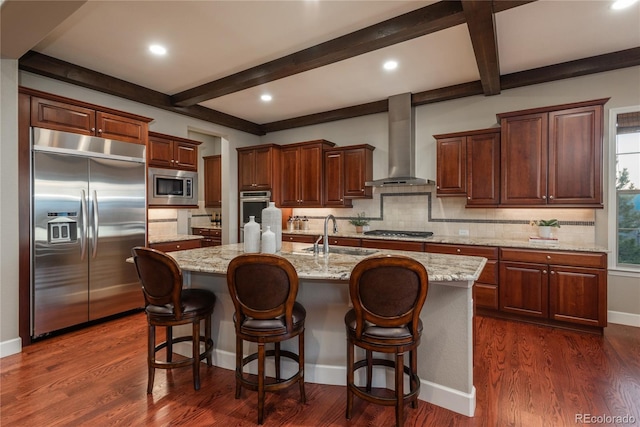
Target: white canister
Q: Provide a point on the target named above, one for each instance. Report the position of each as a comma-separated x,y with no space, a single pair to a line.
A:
252,236
268,241
272,217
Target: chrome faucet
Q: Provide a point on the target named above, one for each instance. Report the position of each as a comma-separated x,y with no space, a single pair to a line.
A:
325,244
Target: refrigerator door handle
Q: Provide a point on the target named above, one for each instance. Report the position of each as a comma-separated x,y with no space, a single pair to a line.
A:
95,223
83,239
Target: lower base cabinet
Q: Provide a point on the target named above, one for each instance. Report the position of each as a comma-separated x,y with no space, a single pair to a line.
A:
179,245
211,236
568,287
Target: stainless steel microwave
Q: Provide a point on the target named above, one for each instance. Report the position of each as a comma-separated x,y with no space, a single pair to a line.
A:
171,187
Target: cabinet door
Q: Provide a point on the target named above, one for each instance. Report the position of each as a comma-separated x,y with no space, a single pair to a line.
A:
64,117
578,295
311,158
213,181
575,156
358,169
483,170
185,156
524,289
290,177
523,149
451,179
177,246
263,166
334,179
120,128
160,152
246,169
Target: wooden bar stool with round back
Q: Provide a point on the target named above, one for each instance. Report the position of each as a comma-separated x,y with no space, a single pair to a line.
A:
387,293
168,305
263,289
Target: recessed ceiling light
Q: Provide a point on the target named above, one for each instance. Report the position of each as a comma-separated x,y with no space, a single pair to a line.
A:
156,49
390,65
266,97
622,4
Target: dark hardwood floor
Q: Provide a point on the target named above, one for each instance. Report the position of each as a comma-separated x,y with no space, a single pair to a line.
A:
525,375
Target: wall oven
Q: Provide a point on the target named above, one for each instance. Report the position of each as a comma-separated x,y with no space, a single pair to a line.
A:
251,204
169,187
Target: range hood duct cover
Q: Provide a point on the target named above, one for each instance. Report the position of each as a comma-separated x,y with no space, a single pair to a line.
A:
402,145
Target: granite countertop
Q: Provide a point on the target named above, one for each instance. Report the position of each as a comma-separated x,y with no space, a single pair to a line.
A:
444,268
457,240
173,238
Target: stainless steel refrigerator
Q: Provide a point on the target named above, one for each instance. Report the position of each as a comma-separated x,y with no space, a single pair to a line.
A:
88,210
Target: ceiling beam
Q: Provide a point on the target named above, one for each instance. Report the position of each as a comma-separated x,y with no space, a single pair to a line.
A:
44,65
482,29
426,20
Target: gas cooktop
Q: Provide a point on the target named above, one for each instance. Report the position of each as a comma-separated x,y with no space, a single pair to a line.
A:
399,233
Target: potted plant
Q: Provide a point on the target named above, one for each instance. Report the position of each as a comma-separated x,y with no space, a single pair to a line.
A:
545,226
359,221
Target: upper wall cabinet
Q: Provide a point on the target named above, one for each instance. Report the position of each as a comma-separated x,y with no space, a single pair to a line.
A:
346,169
63,114
213,181
258,168
469,165
172,152
302,173
553,156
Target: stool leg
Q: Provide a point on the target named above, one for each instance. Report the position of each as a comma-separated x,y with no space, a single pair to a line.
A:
239,351
260,382
349,377
369,369
195,354
169,343
414,370
399,389
277,360
303,396
151,357
208,342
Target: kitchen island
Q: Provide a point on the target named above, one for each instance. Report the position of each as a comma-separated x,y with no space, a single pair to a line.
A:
445,355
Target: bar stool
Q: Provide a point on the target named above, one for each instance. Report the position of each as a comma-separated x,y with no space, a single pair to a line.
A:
263,289
387,293
168,305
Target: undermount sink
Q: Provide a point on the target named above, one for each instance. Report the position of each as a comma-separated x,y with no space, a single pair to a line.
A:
344,250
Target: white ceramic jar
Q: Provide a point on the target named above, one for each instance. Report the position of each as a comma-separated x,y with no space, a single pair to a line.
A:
268,241
272,217
252,236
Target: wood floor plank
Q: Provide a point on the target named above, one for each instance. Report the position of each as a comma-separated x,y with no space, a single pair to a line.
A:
525,375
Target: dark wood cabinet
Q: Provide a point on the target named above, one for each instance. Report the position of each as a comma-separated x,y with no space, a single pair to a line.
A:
485,289
302,173
552,156
358,169
565,287
469,165
180,245
334,179
298,238
172,152
343,241
211,236
65,115
213,181
258,168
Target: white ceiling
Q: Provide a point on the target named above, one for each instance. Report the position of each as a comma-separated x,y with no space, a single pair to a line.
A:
208,40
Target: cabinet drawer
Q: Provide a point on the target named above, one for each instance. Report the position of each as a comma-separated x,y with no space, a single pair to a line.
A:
398,245
578,259
299,238
176,246
485,295
344,241
482,251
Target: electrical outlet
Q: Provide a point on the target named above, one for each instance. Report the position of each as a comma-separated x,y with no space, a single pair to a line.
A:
463,232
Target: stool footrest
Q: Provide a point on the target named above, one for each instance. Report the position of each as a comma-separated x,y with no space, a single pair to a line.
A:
388,401
279,384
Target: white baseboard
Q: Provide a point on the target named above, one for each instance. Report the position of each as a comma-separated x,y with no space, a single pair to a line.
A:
622,318
7,348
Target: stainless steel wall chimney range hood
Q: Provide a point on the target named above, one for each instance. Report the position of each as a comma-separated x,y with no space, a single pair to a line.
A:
402,146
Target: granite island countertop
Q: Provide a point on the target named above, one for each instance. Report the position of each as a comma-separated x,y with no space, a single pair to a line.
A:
336,266
458,240
173,238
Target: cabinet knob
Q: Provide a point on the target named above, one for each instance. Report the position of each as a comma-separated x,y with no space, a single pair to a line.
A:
544,271
458,250
93,129
468,197
178,246
99,130
437,187
544,197
362,190
548,256
553,272
341,200
551,197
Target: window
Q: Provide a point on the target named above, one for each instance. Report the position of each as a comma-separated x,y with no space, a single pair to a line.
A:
625,208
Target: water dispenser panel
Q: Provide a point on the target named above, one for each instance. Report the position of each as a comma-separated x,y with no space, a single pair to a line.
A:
62,229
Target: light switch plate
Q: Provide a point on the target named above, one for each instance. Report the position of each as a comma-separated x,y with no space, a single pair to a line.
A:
463,232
